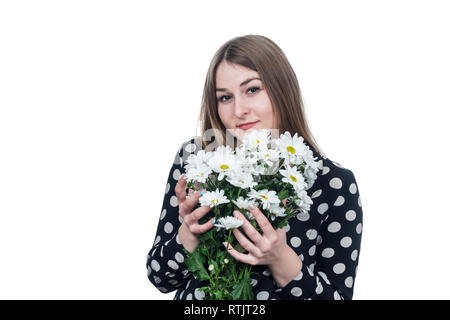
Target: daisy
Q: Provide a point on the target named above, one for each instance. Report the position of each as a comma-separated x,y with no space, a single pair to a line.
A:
304,202
222,161
228,222
256,139
198,173
265,196
291,148
196,160
276,211
294,177
213,198
241,179
243,204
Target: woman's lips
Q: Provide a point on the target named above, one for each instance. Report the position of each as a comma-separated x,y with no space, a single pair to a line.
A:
247,126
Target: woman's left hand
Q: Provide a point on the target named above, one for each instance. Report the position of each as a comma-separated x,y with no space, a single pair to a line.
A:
266,248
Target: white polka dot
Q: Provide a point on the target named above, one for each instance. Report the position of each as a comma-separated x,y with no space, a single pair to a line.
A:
173,264
359,201
325,170
324,277
349,282
311,234
346,242
158,239
339,201
163,214
167,187
155,265
352,188
316,194
322,208
296,292
337,164
263,295
336,183
173,201
157,279
319,240
199,295
253,282
168,227
299,276
189,296
303,216
359,228
337,296
339,268
176,174
296,242
334,227
312,251
190,147
327,252
173,282
350,215
354,255
319,288
179,257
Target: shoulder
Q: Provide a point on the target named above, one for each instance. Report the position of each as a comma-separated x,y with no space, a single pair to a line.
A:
188,147
334,177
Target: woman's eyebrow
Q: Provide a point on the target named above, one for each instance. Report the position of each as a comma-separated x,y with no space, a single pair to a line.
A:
242,84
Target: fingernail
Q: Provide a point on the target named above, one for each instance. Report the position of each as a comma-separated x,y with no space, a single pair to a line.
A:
202,192
251,207
213,221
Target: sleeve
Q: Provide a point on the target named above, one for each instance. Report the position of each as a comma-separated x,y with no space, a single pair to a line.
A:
332,277
165,260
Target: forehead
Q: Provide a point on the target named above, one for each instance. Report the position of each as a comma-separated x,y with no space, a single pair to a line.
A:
229,73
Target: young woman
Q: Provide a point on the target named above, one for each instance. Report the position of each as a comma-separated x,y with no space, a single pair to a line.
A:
250,85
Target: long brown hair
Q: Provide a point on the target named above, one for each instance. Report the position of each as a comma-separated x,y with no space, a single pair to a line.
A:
262,55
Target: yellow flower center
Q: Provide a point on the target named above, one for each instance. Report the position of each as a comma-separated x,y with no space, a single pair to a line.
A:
291,149
224,167
262,196
293,178
257,141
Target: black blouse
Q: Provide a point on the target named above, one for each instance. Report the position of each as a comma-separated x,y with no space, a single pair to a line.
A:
327,239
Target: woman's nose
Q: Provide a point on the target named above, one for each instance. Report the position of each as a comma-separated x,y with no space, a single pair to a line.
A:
241,107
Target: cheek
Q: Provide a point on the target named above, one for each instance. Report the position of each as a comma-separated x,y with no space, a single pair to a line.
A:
225,116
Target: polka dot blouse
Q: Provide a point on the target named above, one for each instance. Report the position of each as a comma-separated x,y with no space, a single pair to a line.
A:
327,239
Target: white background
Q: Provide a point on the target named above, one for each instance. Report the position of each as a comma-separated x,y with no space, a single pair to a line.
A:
96,97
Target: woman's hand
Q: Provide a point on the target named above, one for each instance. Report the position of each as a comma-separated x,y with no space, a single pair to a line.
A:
269,248
190,227
262,248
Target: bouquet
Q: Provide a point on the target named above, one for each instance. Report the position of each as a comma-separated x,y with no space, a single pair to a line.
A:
262,171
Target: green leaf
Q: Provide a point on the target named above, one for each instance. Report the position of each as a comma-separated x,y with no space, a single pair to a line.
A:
195,263
242,290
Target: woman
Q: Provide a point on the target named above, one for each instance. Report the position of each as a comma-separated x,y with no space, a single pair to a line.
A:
250,85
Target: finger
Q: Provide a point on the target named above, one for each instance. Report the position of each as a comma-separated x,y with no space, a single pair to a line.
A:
199,213
284,201
246,258
190,202
263,222
202,228
180,189
249,230
247,244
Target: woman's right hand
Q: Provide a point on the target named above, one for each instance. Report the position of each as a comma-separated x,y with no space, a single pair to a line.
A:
190,228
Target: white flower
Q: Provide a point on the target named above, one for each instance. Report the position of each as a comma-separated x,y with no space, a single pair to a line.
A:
198,173
256,139
211,267
292,148
196,160
294,177
228,222
243,204
276,211
213,198
268,156
265,196
223,160
304,202
241,179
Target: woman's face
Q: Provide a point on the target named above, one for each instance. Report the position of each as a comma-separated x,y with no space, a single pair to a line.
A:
242,99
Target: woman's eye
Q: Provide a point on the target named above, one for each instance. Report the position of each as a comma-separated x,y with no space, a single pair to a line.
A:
249,89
